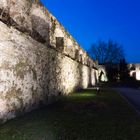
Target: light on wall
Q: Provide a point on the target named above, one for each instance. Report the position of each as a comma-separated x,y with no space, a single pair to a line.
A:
138,75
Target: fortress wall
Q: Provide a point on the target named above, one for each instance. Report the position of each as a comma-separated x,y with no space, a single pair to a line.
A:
39,59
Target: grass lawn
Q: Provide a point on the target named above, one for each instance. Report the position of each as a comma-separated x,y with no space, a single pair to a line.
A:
79,116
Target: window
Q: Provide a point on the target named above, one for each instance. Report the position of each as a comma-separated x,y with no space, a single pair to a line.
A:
60,43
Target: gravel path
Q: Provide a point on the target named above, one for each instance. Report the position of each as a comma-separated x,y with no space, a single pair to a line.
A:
132,96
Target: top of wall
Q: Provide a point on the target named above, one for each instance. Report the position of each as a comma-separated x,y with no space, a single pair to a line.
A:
35,20
134,66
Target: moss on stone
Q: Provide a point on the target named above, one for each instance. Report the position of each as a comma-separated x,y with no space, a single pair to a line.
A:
19,110
53,25
37,2
21,69
5,65
13,93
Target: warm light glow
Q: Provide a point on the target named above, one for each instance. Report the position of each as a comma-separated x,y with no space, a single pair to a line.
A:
83,95
102,73
85,77
93,75
68,76
131,73
138,75
75,75
104,78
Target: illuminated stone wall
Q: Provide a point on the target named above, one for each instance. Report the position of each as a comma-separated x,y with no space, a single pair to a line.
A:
102,73
39,59
134,71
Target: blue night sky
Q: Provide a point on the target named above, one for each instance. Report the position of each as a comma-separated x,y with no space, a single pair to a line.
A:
90,20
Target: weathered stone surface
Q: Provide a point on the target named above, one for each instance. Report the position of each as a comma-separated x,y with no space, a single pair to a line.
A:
39,60
36,21
31,73
18,11
40,21
4,4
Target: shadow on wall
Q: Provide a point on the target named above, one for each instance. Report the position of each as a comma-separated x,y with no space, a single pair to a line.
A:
41,29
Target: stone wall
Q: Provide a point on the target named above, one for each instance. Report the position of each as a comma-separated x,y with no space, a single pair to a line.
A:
134,71
102,73
39,59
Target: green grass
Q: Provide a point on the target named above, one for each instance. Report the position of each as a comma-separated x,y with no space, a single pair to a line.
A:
79,116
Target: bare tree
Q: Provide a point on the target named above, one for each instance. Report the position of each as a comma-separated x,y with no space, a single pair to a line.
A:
110,52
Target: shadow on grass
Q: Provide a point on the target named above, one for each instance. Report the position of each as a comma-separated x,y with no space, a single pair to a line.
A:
82,115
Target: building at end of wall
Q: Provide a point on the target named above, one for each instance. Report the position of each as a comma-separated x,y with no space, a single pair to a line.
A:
134,70
102,73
